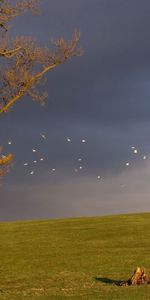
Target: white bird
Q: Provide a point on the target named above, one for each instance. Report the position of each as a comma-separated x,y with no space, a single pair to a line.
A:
41,158
32,172
33,150
35,161
68,139
9,143
53,170
79,159
80,167
83,140
25,164
144,157
127,164
135,151
43,136
98,177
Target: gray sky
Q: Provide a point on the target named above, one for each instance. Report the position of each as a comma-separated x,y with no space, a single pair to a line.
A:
103,97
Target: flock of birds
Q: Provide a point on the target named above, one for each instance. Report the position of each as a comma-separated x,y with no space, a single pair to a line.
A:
68,140
80,167
135,151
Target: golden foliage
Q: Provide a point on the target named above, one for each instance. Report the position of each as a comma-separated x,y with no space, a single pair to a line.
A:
5,163
28,63
8,11
5,159
23,62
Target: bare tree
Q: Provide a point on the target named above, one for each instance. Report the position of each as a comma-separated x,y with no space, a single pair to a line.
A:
24,63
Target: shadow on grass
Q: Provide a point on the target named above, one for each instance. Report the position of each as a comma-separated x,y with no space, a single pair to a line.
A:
108,280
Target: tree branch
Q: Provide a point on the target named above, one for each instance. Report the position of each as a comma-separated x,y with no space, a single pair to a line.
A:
28,85
9,53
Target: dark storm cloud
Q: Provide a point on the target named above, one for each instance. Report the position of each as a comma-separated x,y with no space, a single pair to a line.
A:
103,96
109,84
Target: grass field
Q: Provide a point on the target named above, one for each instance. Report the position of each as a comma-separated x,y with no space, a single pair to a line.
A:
74,258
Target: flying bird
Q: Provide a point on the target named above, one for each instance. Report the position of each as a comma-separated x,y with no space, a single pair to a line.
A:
33,150
68,139
43,136
32,173
135,151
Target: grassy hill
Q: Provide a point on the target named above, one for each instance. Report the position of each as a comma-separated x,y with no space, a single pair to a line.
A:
74,258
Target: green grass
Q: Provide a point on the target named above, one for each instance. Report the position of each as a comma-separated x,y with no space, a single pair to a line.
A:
74,258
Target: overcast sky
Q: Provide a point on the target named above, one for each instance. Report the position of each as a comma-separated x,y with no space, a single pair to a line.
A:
102,97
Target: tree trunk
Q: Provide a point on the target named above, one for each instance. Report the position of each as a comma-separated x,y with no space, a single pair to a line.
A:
139,276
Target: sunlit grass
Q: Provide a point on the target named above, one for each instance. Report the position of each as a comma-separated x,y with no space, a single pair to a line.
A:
74,258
